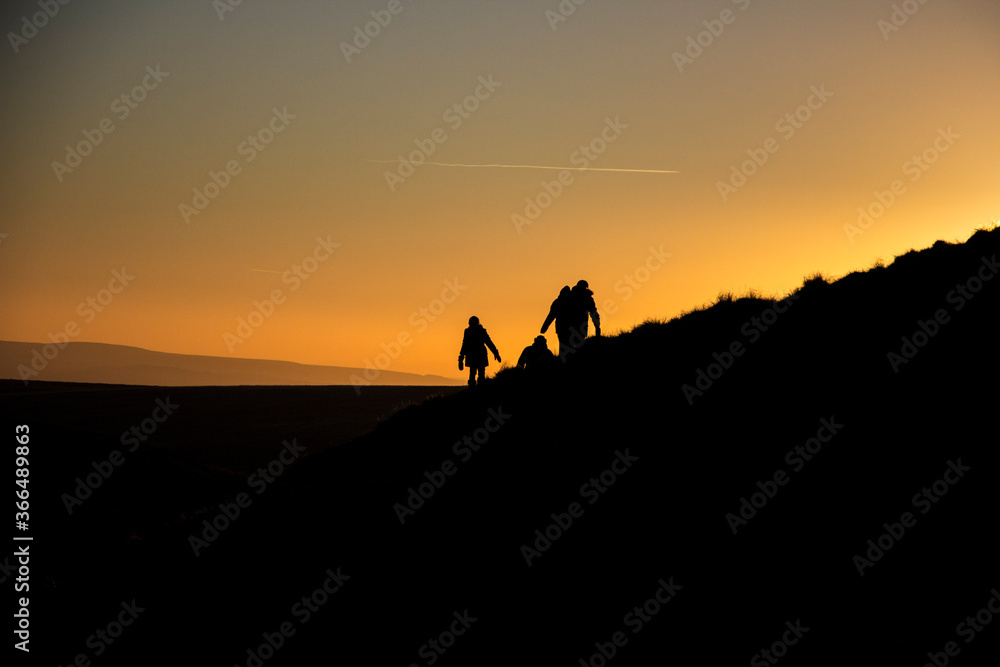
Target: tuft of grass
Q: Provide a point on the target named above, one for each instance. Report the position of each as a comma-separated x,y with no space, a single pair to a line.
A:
648,324
725,297
812,282
990,227
815,278
504,369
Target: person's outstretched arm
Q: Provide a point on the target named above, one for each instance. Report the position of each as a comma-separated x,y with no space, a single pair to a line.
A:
548,320
597,321
493,348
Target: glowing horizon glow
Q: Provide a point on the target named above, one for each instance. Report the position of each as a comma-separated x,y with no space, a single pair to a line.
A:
807,135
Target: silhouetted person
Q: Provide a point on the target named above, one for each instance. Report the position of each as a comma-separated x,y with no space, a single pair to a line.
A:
537,355
581,307
474,344
560,312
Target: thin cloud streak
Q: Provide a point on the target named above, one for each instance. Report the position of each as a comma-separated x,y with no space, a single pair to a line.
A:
533,166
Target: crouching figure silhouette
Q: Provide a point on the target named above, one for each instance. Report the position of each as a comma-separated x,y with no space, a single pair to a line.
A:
537,355
474,344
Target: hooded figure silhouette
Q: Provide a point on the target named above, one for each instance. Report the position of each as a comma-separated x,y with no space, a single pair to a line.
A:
580,307
474,344
559,311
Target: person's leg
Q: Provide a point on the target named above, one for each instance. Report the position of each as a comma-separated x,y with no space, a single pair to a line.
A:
570,341
472,376
577,335
482,374
564,346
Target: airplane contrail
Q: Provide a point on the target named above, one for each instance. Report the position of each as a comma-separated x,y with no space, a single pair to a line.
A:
535,166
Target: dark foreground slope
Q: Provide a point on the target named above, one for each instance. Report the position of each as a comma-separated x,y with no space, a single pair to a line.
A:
819,370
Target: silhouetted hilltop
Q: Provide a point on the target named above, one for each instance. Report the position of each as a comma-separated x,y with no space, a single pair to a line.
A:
700,487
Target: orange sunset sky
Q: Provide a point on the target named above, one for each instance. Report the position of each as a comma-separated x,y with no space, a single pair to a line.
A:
117,112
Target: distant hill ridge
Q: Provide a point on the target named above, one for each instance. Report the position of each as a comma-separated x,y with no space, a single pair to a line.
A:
120,364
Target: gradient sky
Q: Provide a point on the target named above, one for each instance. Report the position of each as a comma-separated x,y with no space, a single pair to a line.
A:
893,94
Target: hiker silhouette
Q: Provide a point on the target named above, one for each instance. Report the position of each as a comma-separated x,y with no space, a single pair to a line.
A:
559,312
474,344
537,355
571,311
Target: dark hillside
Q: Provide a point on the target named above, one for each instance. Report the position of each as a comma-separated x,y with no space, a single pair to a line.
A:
813,366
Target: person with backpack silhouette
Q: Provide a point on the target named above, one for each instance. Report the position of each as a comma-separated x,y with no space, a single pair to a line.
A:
474,344
537,355
559,312
580,307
